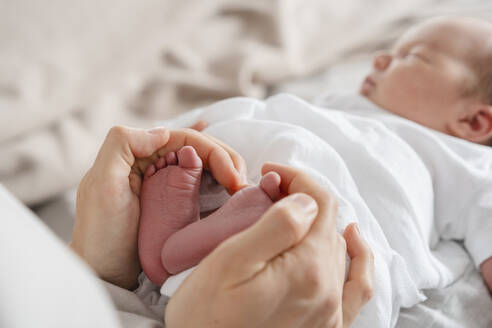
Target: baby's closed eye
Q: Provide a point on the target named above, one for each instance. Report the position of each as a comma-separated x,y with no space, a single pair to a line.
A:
419,56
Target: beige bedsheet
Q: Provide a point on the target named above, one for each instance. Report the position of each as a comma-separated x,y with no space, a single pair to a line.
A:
71,69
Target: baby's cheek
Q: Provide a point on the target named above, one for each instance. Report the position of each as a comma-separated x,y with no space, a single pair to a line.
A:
397,89
409,79
413,85
403,95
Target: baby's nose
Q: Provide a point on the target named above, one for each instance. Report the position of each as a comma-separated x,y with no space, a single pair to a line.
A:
382,61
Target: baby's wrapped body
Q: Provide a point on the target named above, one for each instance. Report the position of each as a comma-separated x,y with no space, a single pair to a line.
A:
412,190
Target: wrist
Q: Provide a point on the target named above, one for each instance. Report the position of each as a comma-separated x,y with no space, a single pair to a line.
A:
124,278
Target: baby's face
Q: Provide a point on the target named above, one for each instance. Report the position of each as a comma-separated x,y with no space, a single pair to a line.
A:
425,75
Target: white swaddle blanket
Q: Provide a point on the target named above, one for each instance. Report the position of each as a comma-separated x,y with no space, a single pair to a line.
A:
379,180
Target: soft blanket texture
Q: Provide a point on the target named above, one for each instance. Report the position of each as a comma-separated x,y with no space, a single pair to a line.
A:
388,174
70,69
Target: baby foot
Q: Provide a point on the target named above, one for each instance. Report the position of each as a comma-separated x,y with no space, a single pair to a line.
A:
190,245
169,201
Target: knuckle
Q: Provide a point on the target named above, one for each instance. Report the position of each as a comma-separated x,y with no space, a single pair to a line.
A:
236,158
117,131
366,290
331,302
328,200
304,177
190,131
313,279
290,225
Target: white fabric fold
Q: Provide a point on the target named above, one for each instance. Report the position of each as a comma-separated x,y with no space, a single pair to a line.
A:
412,190
378,178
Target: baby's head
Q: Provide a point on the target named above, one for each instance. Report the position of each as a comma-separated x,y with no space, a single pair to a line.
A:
439,74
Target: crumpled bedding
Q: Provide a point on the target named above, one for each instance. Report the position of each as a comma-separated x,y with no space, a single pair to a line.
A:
385,183
465,303
69,70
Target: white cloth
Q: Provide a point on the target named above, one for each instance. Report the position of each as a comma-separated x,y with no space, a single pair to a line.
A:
43,284
410,189
460,172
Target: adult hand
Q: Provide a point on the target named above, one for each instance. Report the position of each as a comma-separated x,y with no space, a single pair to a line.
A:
486,270
287,270
108,206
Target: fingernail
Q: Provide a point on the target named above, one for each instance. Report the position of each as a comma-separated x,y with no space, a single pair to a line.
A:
158,130
356,227
306,202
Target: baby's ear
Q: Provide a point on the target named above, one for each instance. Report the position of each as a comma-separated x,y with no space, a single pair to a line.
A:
475,124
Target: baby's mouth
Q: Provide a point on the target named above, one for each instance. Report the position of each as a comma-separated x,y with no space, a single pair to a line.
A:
367,85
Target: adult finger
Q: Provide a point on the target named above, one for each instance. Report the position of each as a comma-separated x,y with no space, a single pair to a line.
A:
237,159
215,158
199,126
295,181
123,144
282,226
358,288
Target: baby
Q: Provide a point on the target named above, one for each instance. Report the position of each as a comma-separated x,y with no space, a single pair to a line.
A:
439,74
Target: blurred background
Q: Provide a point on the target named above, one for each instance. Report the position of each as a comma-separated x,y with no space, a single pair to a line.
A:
69,70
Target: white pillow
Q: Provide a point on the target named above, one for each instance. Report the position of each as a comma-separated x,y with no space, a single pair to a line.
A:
42,283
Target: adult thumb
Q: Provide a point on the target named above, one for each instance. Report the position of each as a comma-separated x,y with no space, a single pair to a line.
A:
123,144
282,226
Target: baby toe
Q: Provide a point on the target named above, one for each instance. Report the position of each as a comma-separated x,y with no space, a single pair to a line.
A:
188,158
150,170
160,163
270,184
171,158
